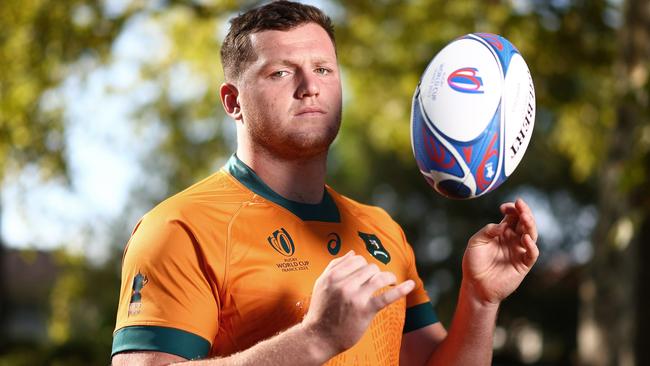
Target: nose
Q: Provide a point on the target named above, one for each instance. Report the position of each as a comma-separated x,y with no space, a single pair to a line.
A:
308,86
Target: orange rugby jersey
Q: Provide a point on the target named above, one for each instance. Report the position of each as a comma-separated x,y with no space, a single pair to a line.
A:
228,262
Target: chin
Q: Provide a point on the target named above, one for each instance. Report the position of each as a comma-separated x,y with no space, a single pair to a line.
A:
299,142
303,149
305,146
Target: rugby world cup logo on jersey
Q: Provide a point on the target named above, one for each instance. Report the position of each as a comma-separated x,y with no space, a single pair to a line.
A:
281,241
466,80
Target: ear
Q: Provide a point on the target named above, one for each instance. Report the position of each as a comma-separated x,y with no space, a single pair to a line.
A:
230,100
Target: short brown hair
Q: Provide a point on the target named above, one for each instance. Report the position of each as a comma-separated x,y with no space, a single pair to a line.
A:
237,51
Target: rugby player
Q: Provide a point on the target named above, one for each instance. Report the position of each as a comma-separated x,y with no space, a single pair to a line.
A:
262,263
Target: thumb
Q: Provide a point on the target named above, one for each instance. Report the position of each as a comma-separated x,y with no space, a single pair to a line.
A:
487,233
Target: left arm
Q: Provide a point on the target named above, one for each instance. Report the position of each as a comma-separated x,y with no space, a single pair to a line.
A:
496,260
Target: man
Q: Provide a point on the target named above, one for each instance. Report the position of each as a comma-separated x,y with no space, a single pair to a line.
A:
263,264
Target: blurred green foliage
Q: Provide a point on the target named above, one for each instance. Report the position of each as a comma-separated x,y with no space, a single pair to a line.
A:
39,39
571,48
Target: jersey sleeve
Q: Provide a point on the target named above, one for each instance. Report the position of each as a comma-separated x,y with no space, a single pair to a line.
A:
167,301
419,309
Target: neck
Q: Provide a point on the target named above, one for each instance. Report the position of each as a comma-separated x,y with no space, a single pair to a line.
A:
300,180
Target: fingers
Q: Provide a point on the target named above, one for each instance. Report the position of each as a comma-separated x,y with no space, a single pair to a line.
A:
510,236
523,248
532,252
377,281
519,217
336,261
510,214
507,207
523,206
381,301
341,268
527,225
357,278
366,280
362,275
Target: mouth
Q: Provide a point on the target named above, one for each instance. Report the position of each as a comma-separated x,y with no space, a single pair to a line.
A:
310,111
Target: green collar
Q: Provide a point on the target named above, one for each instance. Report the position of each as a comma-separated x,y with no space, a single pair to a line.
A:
325,211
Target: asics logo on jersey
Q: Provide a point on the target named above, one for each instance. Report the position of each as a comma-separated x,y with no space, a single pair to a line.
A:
375,248
334,243
281,241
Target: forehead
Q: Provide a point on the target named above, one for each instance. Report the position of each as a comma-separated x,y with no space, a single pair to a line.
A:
309,40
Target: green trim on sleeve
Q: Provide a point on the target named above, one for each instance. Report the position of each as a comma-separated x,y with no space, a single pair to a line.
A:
419,316
170,340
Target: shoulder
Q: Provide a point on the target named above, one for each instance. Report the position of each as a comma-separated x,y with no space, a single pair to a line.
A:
200,214
372,213
215,198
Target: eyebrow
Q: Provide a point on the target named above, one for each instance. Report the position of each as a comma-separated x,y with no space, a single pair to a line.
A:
286,62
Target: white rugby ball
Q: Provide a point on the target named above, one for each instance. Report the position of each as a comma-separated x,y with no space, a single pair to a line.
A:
472,115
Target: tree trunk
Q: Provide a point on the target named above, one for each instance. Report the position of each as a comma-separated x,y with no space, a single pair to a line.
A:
3,293
643,301
614,291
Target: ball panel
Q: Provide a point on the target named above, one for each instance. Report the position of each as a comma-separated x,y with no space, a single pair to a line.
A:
502,48
453,189
461,86
430,153
519,116
486,163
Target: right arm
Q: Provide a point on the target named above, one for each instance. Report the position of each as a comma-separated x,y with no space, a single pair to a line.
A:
342,306
296,345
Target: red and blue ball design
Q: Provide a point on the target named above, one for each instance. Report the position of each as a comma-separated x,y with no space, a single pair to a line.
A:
472,116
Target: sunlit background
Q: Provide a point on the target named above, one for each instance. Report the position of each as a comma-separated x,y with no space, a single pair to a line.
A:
107,107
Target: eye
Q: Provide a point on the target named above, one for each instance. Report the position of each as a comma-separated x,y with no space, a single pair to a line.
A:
322,71
279,74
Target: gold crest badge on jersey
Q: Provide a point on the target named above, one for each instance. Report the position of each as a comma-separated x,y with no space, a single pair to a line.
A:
375,248
135,306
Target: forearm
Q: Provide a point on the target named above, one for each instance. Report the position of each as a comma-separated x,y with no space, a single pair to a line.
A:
297,345
469,341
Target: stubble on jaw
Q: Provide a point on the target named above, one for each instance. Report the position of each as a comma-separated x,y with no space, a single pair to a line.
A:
292,145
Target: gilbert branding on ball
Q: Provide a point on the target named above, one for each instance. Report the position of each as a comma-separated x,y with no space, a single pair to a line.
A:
472,115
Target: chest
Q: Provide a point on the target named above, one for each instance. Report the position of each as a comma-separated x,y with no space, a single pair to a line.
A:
273,264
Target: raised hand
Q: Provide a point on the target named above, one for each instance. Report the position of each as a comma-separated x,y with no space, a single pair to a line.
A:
343,302
499,256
